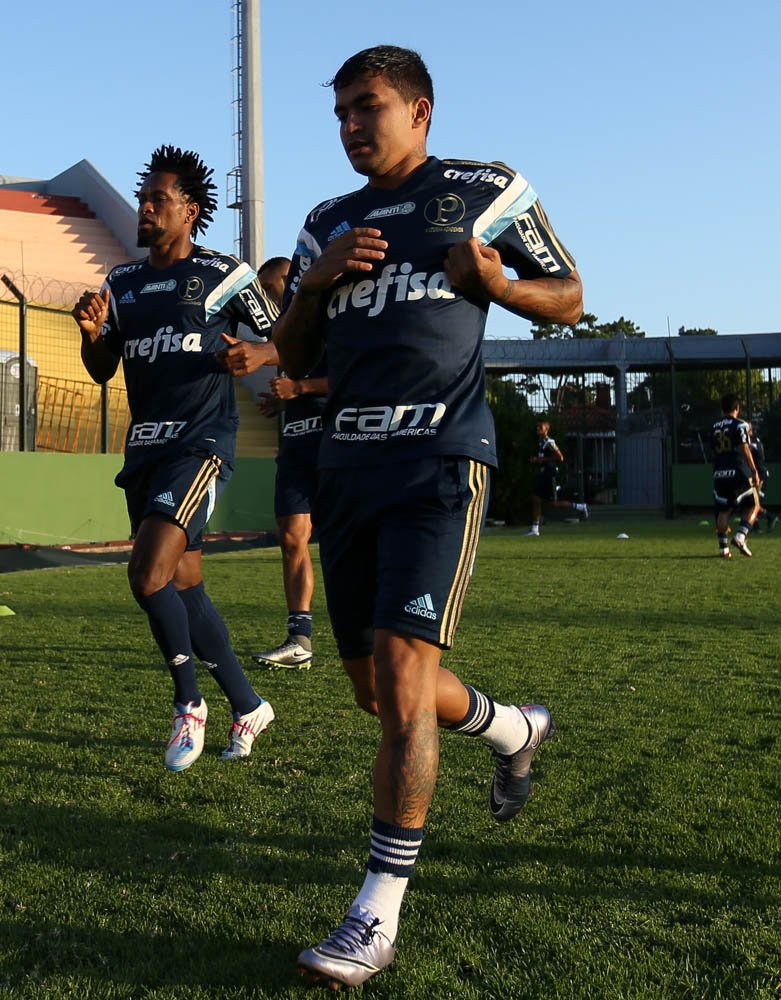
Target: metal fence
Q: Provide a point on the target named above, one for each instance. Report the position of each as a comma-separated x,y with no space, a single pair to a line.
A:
669,419
64,410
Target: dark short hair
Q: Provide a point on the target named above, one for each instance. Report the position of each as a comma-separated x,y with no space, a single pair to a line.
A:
194,180
404,70
273,262
729,402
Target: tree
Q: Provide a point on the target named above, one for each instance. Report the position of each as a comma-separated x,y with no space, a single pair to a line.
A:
586,328
567,391
620,326
515,427
566,331
769,428
697,331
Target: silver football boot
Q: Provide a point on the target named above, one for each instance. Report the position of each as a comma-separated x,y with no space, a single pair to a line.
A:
512,779
293,652
352,954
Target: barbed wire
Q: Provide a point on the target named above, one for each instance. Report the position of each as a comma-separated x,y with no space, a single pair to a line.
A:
40,290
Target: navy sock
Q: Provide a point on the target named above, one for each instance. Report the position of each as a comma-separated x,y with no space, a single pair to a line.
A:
479,715
394,849
300,623
211,644
169,624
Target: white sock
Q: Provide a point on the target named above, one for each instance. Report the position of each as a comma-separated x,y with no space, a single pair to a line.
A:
509,731
382,894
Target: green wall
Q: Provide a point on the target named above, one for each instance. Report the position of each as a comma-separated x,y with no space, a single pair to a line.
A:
50,499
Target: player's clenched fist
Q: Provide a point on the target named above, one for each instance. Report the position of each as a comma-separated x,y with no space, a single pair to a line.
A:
475,269
356,250
91,312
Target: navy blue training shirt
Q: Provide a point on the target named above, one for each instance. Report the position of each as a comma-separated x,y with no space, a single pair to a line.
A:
728,435
405,367
302,417
165,325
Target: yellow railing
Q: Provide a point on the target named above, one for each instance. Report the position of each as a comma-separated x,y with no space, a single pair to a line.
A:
69,416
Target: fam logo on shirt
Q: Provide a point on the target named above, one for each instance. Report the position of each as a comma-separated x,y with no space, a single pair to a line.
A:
378,423
527,229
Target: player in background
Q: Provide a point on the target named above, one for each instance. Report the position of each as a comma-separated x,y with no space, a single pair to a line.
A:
394,280
301,402
736,478
546,487
760,460
167,318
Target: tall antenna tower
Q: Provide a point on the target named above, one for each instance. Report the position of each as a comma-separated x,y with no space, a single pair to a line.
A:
245,181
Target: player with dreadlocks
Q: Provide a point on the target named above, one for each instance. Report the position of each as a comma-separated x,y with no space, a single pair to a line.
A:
171,319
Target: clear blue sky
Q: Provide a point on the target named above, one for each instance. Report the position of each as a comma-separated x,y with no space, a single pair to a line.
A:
651,131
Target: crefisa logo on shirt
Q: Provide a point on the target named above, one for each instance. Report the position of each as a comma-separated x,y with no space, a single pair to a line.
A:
212,262
165,341
485,176
397,283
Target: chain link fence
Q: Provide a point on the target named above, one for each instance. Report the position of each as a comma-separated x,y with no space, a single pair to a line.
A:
668,422
64,410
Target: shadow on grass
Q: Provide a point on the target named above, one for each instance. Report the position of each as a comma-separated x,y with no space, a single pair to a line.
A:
129,963
297,855
276,850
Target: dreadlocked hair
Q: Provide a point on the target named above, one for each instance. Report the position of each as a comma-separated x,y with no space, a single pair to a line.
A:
194,180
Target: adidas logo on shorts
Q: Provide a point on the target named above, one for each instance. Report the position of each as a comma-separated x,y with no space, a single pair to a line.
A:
423,607
167,498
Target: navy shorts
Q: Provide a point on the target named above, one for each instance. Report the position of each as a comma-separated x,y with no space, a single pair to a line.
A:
397,545
733,492
545,486
295,486
184,490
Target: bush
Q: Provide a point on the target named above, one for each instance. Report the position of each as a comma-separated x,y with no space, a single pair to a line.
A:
515,441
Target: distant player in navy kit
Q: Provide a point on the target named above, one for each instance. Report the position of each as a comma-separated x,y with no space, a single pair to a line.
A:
760,460
395,281
302,401
167,317
736,479
546,486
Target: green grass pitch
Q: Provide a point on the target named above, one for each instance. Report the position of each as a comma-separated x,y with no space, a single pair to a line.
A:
646,865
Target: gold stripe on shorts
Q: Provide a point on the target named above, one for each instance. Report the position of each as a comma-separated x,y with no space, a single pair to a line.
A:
478,482
200,487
